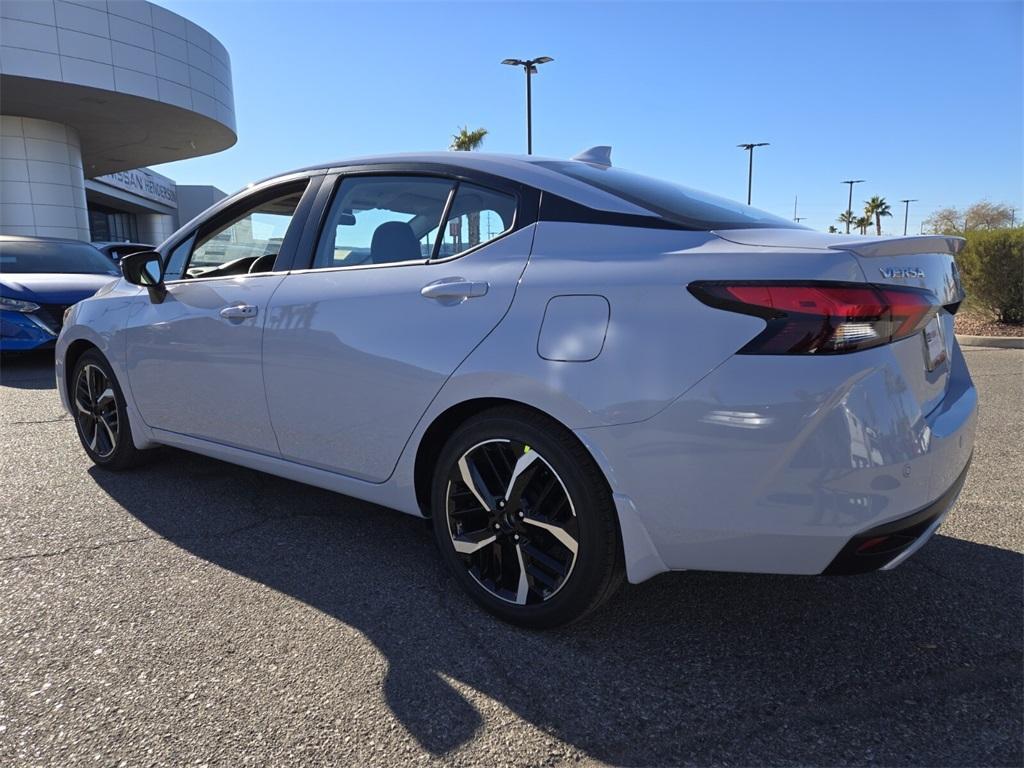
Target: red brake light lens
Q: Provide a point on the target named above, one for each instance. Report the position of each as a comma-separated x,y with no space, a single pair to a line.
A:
822,318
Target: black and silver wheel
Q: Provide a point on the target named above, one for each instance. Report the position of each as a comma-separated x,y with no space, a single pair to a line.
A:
99,411
96,411
525,519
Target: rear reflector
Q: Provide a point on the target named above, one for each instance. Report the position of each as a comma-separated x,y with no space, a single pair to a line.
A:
822,318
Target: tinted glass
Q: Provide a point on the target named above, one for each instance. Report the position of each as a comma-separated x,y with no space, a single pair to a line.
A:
675,203
477,215
259,231
42,256
382,220
179,257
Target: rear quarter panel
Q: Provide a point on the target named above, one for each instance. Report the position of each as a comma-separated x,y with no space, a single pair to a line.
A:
660,340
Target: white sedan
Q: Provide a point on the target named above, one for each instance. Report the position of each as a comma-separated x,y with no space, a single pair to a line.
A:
578,373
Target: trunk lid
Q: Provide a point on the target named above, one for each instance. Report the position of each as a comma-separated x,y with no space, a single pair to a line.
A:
926,261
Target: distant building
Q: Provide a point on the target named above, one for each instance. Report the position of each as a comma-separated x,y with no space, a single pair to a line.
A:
142,205
90,93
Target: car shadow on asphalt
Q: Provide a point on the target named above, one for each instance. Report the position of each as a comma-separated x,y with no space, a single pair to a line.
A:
920,665
27,370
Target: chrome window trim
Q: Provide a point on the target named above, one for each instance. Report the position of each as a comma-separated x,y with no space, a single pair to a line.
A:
352,267
477,247
193,280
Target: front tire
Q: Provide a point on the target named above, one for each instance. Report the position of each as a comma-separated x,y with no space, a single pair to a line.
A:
100,414
525,519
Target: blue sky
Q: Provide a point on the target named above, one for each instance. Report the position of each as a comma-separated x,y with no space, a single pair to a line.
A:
922,99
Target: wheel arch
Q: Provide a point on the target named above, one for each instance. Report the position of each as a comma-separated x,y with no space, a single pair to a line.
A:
68,356
75,350
638,551
432,442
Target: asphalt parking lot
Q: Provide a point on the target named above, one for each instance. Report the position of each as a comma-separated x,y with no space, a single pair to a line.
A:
192,612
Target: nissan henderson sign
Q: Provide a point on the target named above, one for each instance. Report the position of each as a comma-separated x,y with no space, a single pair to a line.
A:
144,183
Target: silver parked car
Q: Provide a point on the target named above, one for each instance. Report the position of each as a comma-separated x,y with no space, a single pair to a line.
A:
577,372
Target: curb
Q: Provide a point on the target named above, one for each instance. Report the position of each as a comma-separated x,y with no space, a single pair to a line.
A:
1003,342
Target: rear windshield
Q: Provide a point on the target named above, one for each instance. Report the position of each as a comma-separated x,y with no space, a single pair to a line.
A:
42,256
680,205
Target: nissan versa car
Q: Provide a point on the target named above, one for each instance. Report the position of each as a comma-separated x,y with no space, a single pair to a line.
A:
577,372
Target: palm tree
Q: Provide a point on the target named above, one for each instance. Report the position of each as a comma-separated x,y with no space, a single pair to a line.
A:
832,230
466,141
876,208
862,223
847,218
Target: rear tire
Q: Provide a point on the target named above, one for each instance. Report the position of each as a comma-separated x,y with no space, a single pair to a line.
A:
100,414
541,551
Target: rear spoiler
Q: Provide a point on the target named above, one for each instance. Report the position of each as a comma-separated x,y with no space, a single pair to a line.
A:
903,246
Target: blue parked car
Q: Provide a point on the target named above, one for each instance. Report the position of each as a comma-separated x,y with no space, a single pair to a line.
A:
39,279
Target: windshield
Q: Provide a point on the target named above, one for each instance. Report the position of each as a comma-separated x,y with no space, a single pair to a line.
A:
680,205
50,256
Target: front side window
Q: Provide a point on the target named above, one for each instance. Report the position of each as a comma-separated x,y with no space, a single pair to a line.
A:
382,220
476,216
249,240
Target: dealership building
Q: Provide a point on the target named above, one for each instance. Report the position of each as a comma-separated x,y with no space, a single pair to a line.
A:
92,92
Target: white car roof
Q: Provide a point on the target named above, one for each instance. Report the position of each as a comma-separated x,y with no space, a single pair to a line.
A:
520,168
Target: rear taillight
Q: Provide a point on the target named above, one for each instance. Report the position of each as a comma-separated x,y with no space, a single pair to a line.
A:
822,318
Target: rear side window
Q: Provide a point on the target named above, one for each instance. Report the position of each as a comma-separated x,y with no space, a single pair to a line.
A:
394,219
382,220
476,216
680,205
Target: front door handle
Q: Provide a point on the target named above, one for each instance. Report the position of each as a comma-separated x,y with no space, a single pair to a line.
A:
239,311
454,289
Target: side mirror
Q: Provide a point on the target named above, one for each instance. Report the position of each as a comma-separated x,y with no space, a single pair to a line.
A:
144,268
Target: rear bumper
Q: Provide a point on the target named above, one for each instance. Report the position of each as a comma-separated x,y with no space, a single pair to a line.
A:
886,546
773,465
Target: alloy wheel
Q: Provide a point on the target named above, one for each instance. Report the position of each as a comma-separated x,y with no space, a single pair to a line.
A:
511,521
96,408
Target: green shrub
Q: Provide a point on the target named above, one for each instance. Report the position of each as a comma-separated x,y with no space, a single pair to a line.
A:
992,269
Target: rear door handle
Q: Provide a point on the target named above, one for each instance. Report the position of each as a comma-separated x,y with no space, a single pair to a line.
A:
454,289
239,311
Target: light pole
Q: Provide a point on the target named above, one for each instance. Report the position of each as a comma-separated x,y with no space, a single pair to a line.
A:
530,65
849,202
906,211
750,170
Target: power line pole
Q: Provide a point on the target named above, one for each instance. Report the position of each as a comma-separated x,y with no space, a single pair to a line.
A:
906,211
849,202
750,169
